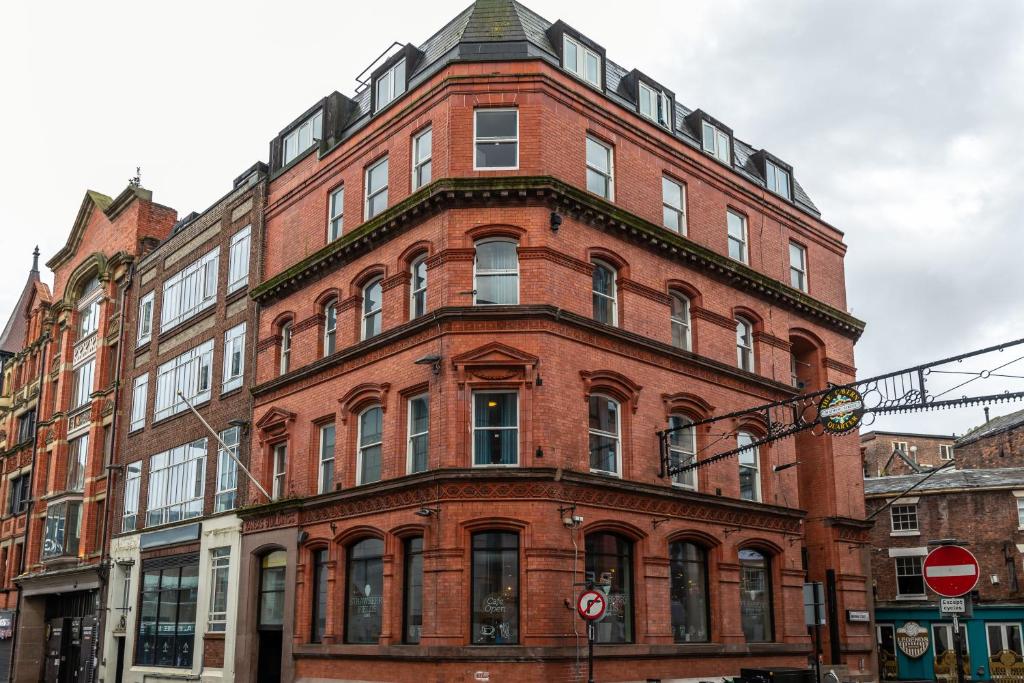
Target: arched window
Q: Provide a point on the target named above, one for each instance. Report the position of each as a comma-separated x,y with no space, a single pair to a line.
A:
750,467
756,596
418,290
319,602
680,317
496,273
373,296
364,593
89,308
495,585
330,327
604,294
610,563
682,449
272,583
744,345
605,435
286,348
371,436
688,567
412,606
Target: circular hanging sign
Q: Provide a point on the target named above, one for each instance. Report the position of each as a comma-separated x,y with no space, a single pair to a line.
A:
840,410
591,605
951,571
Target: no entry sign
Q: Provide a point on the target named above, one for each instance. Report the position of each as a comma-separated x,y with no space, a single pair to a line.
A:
951,571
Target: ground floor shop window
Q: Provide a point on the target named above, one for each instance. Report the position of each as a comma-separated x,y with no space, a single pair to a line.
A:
945,654
319,595
610,565
1005,652
413,613
167,615
364,602
689,592
885,636
755,596
495,588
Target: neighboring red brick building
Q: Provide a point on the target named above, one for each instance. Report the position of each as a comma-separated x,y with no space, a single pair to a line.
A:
506,265
71,351
894,453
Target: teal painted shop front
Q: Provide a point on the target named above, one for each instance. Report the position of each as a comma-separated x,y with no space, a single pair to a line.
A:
994,643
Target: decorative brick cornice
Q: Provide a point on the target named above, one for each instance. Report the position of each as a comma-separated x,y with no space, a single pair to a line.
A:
450,192
712,317
635,287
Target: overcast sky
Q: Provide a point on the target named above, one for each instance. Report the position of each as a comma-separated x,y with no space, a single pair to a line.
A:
902,120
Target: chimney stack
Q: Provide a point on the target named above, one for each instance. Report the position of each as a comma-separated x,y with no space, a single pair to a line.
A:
986,414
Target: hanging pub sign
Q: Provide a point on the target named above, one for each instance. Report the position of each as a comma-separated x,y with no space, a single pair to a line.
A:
840,410
912,638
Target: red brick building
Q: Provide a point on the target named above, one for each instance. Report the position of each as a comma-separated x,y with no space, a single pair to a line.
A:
70,356
895,453
490,278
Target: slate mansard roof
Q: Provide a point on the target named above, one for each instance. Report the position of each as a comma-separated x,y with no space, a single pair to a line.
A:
492,30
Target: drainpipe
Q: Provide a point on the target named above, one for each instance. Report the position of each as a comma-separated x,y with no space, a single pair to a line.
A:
30,504
103,571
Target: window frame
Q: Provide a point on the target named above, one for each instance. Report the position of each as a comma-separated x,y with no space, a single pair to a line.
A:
943,450
350,559
234,343
197,284
360,446
608,176
473,427
145,324
389,76
517,553
768,569
497,272
239,255
410,435
617,436
745,358
370,196
377,314
911,559
78,459
225,499
408,555
680,211
330,338
773,171
1004,629
579,70
319,587
140,397
660,101
704,566
798,272
191,368
285,356
627,560
755,468
278,470
316,133
743,241
172,476
418,163
418,293
220,562
685,323
613,297
681,449
906,522
718,136
335,218
477,140
132,492
322,460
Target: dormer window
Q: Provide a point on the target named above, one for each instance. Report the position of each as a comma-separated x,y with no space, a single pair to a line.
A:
304,136
390,85
777,179
581,61
655,105
716,142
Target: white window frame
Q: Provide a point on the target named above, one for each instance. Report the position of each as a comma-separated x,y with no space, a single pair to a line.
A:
904,520
414,291
745,353
684,323
609,176
477,139
1020,511
178,481
323,459
227,471
617,436
78,453
140,394
756,467
901,446
496,272
410,434
685,454
743,240
360,446
330,341
83,380
190,291
89,314
473,427
659,105
220,563
945,452
335,213
394,86
1003,635
311,129
279,458
418,163
720,148
132,489
778,180
145,332
285,359
613,297
375,313
798,271
238,259
579,69
896,566
379,191
191,373
234,343
679,211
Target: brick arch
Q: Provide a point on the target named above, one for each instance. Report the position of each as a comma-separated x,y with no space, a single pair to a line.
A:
414,251
347,537
687,290
769,548
365,276
281,320
613,383
695,536
620,264
615,526
750,315
513,232
93,265
362,396
326,296
494,523
807,336
690,404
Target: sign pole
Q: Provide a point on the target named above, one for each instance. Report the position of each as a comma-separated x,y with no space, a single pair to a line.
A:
590,652
958,648
817,642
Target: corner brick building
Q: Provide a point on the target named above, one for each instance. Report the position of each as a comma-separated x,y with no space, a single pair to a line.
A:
175,533
895,453
72,347
489,279
981,503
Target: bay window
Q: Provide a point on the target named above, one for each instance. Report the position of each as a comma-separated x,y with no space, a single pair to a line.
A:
63,530
177,479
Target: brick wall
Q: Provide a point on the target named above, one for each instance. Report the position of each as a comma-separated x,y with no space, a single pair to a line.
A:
877,447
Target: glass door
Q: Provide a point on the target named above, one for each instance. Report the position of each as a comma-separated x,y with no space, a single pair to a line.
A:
885,636
945,654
